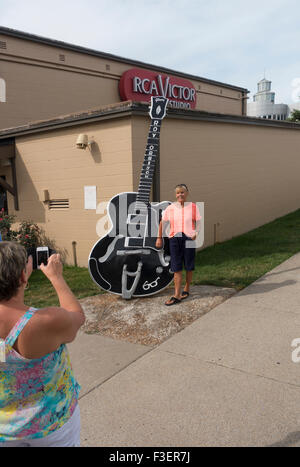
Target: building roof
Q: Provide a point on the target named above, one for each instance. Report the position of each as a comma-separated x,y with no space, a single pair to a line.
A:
129,108
107,56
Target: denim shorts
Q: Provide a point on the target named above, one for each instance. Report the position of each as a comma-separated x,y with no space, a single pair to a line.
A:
182,251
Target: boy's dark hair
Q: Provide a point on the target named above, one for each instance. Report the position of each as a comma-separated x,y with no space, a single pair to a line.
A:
13,259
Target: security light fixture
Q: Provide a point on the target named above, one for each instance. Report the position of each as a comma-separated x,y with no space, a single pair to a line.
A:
83,142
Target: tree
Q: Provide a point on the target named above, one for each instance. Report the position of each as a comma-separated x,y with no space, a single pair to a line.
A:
295,116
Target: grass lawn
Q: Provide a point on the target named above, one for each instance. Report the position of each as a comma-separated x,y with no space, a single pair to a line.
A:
235,263
242,260
41,293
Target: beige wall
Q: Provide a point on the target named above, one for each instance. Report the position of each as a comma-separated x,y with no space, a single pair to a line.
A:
51,161
40,86
246,175
218,99
38,90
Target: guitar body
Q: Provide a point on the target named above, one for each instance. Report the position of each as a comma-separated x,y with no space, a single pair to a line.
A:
126,261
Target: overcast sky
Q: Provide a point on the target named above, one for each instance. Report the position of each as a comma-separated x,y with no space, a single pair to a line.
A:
232,41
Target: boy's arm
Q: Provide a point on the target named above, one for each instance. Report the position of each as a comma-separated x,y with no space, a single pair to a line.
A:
160,228
159,241
197,229
197,223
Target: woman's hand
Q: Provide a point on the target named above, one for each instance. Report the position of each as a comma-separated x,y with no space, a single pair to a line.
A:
54,268
159,242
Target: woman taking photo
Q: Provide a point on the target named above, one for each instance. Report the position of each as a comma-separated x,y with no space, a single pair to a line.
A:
38,392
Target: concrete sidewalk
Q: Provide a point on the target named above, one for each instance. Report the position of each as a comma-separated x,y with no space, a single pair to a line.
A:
228,379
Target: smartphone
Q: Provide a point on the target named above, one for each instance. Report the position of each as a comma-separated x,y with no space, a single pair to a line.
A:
42,255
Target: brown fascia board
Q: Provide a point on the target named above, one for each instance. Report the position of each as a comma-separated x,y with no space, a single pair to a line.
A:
107,56
112,111
140,108
129,108
228,118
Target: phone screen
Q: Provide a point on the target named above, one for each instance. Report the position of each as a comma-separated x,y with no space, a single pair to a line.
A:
42,257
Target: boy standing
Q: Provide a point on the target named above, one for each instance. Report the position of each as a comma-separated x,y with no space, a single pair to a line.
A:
184,225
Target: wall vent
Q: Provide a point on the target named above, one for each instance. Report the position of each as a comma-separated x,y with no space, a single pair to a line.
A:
107,67
62,58
59,204
2,45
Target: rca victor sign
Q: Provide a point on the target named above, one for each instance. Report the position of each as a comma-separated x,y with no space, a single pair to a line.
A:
141,85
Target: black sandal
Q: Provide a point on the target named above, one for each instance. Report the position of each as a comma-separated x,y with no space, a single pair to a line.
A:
184,295
173,301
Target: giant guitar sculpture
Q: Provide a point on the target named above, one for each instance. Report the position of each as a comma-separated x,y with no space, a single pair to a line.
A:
126,261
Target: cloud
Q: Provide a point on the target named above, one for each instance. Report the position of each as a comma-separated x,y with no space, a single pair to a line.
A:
230,41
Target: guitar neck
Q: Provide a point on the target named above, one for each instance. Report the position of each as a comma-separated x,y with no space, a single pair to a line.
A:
150,158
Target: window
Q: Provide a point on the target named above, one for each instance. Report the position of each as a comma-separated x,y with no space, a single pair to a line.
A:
2,90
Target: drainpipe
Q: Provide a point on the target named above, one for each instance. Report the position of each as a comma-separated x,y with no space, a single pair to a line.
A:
74,252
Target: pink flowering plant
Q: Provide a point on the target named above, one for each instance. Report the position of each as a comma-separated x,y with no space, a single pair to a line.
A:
6,222
29,234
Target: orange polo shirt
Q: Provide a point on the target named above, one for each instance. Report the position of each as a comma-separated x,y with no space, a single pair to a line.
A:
182,219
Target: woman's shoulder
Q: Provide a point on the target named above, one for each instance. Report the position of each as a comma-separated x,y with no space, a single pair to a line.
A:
41,334
48,317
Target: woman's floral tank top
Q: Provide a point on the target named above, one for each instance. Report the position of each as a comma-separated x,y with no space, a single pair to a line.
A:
36,396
